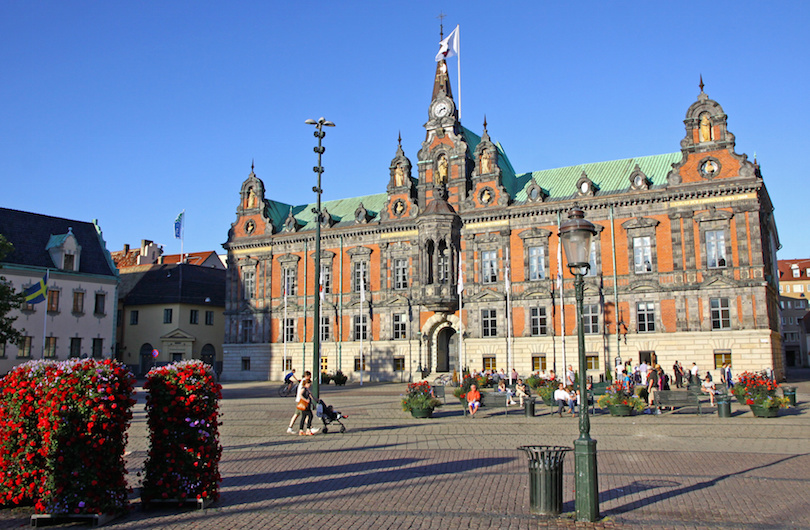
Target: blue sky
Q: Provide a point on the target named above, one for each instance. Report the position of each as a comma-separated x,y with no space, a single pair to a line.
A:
129,112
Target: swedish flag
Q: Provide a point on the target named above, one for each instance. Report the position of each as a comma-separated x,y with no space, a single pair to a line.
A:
37,292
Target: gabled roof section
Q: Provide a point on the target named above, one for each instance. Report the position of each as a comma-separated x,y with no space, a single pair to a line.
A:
611,177
31,233
507,171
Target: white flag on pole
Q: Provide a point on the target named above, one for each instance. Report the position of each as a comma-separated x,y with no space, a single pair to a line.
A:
449,46
362,283
460,288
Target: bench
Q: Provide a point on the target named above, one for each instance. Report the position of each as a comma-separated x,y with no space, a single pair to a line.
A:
438,392
490,399
677,398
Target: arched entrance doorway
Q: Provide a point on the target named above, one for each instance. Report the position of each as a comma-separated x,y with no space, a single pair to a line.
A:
446,350
146,357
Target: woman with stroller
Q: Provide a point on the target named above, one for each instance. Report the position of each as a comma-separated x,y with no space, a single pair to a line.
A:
306,414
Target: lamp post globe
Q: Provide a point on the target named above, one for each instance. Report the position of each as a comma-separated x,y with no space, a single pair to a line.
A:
576,234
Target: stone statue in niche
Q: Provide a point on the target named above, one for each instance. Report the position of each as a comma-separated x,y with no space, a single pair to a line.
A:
705,134
486,197
441,171
399,175
486,162
250,202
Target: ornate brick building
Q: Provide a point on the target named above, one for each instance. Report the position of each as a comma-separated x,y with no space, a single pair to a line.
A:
683,266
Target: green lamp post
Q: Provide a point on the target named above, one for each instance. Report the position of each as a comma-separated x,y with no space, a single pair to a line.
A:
316,334
576,234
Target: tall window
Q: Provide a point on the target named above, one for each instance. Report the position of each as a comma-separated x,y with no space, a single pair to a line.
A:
247,331
399,364
78,302
326,330
69,262
645,314
326,278
248,284
538,323
98,348
642,255
194,316
53,301
289,329
720,313
24,351
400,325
101,300
591,362
489,323
444,266
715,249
209,318
75,347
537,263
489,262
360,327
359,270
592,258
401,273
167,316
289,281
133,317
590,318
538,363
489,363
50,347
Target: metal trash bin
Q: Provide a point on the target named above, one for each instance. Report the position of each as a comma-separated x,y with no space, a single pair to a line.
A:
545,478
723,405
790,393
528,406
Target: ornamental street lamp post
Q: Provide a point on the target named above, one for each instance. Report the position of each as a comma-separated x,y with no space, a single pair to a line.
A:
316,334
576,234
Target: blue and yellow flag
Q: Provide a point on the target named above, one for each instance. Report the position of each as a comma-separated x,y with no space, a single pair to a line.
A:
37,292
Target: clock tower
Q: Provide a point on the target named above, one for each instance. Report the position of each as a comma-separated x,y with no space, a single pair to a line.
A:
444,162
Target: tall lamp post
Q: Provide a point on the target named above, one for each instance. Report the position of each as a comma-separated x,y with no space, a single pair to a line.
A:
576,234
316,334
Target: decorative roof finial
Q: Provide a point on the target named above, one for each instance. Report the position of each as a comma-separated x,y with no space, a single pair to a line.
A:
441,25
485,123
251,164
399,139
701,83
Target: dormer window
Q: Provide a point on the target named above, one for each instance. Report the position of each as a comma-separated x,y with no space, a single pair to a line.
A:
69,262
796,272
65,250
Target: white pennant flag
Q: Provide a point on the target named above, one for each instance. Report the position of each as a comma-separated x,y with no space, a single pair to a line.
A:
362,283
449,46
460,287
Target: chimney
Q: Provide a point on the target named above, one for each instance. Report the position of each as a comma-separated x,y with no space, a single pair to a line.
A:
126,248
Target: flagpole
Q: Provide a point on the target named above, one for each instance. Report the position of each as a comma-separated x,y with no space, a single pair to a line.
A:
460,321
363,328
458,54
45,318
182,234
508,288
560,285
284,325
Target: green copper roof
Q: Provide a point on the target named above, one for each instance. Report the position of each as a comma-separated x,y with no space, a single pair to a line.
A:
507,171
341,211
611,177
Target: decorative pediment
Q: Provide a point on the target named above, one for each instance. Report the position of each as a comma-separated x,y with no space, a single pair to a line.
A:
486,295
361,215
534,193
640,222
638,179
535,233
397,301
177,335
359,251
291,223
713,214
289,259
717,281
535,293
637,286
326,218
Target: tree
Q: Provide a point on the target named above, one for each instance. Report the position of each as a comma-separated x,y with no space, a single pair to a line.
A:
9,300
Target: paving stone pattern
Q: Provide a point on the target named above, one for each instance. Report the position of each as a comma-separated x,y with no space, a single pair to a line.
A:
676,470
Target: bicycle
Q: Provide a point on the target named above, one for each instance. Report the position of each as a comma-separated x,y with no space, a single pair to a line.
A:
288,389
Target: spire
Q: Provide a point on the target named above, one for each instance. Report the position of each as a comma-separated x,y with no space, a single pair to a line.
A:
441,81
701,85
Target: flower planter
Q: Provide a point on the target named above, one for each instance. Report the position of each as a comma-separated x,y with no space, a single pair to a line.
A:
422,413
764,412
620,410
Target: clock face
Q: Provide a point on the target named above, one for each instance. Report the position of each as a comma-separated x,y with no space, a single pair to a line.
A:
441,109
584,187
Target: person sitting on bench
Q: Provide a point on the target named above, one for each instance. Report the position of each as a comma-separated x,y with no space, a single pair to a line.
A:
473,399
708,387
562,397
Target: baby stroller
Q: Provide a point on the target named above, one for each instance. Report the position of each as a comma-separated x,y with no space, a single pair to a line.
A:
328,415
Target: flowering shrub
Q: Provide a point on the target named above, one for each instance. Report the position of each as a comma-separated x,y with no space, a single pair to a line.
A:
462,390
22,464
758,390
617,394
82,408
419,396
184,449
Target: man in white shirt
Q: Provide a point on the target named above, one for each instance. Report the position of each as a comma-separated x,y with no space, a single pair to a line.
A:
562,397
643,370
569,375
695,379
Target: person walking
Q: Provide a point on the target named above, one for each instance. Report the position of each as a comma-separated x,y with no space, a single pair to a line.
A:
569,376
729,381
694,378
676,369
305,429
298,393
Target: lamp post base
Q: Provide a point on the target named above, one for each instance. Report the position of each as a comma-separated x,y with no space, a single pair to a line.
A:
586,480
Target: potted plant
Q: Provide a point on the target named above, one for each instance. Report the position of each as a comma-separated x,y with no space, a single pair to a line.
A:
419,400
339,378
619,401
759,393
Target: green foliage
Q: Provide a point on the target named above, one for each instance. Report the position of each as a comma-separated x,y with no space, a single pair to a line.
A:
419,396
616,394
339,378
9,301
325,378
608,374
